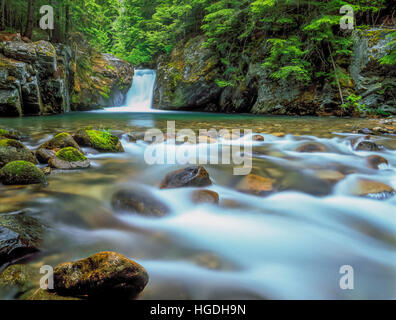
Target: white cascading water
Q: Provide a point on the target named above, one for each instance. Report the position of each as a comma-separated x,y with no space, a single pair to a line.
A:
140,96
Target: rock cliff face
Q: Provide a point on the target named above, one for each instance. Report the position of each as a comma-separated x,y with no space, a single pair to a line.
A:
186,80
41,78
376,83
104,84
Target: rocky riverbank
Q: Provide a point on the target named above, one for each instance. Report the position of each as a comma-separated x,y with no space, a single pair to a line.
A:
39,78
107,274
188,79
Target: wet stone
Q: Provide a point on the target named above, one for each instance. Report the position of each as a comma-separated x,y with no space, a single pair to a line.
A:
139,201
195,176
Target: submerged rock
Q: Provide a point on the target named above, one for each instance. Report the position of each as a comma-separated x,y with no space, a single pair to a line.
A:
12,150
257,137
330,175
205,196
18,278
208,260
255,184
19,235
22,282
195,176
368,146
375,161
69,158
99,140
135,136
372,189
311,147
139,201
21,172
105,274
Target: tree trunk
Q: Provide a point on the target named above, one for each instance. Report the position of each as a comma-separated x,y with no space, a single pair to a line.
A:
336,75
56,34
67,20
2,15
30,19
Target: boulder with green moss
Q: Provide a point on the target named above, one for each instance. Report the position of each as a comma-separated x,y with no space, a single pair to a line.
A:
10,134
48,149
22,281
21,172
69,158
12,150
102,275
98,139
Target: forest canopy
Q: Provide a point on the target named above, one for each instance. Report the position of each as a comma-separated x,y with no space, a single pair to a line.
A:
304,36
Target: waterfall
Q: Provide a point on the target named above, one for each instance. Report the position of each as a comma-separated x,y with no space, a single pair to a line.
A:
140,96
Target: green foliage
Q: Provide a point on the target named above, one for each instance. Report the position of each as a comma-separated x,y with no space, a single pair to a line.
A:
390,58
354,104
286,59
306,42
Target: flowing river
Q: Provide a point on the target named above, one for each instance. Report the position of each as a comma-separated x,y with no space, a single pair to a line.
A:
289,244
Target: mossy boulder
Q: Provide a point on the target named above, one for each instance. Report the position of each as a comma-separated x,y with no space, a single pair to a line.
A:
12,150
10,134
105,274
48,149
17,279
98,139
21,172
20,235
69,158
205,196
22,281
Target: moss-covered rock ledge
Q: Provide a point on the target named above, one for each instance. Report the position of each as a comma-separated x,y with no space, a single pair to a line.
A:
38,78
189,78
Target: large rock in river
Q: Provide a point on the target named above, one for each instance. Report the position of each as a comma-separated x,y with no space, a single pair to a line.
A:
372,189
69,158
105,274
99,140
195,176
48,149
21,172
12,150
